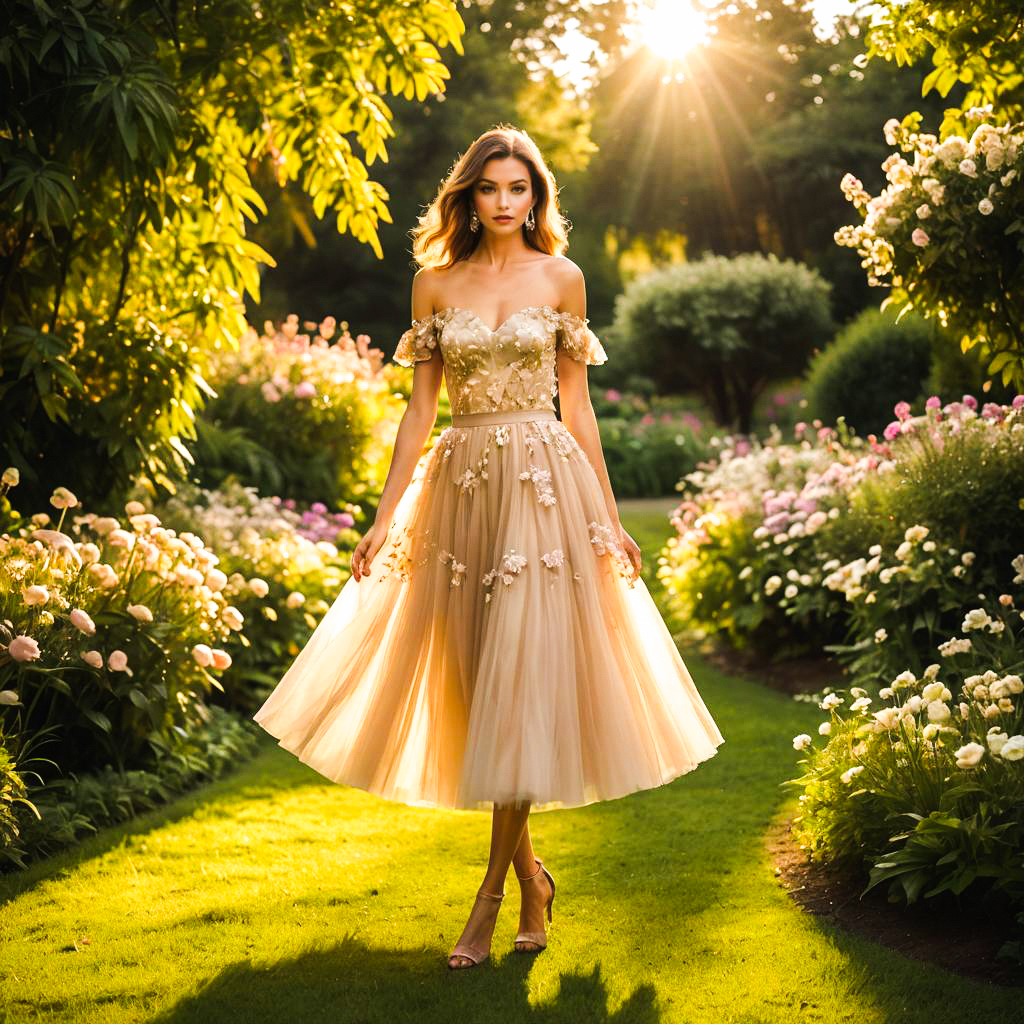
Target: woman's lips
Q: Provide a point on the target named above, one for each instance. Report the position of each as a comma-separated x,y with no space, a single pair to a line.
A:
502,218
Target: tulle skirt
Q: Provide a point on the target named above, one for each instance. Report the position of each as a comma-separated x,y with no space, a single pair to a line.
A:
498,652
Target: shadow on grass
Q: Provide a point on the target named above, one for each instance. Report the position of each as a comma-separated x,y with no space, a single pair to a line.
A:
352,982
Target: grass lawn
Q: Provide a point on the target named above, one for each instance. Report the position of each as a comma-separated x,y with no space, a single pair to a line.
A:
276,896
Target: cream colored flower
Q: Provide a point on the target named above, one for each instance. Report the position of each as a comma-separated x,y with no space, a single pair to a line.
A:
35,595
202,654
801,742
969,755
63,498
140,612
1013,749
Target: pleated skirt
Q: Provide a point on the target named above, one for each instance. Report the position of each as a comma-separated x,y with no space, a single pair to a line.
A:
499,652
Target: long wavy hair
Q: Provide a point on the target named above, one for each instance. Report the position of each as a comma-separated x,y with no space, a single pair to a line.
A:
442,236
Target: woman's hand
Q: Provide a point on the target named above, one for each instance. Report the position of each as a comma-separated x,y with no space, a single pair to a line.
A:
365,551
631,550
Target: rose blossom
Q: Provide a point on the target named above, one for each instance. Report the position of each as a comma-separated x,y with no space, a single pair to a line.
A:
118,662
35,594
81,620
23,648
93,658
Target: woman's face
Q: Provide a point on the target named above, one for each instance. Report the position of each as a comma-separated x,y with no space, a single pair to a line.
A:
503,194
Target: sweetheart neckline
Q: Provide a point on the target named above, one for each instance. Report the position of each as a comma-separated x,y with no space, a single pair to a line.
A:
495,330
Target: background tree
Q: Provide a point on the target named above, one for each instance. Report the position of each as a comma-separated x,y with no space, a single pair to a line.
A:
723,327
129,131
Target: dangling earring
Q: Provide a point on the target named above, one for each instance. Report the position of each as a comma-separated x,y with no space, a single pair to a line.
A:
531,223
474,221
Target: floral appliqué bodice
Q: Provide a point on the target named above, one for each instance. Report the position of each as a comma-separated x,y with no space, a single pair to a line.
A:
511,367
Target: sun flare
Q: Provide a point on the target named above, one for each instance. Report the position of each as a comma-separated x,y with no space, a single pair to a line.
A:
671,28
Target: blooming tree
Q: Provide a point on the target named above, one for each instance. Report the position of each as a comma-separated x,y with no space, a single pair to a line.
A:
947,233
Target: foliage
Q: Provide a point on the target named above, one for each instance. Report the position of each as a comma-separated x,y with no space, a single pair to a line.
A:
748,559
300,417
284,567
871,547
107,637
925,791
647,440
724,326
127,138
872,363
974,42
69,809
948,231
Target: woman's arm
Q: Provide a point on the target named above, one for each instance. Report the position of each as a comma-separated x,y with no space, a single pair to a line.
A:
578,412
413,431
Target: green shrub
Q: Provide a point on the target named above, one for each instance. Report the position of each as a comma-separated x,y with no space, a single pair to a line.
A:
724,327
965,483
300,417
872,364
70,809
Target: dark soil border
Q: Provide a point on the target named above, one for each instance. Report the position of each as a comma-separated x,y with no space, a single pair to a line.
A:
963,940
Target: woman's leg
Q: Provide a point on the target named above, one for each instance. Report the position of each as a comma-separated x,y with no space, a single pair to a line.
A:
507,826
534,890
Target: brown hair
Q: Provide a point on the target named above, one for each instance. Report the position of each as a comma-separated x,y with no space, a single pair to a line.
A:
443,237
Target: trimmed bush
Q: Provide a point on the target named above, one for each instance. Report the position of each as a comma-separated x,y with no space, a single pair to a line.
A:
724,327
872,364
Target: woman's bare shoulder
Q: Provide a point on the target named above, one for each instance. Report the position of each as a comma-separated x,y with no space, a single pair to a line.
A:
566,272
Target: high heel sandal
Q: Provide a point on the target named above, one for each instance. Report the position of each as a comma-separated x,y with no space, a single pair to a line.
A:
471,953
539,939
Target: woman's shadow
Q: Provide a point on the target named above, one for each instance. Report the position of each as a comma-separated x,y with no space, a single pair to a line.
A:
352,983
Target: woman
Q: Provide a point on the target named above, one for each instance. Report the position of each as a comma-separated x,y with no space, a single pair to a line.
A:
495,647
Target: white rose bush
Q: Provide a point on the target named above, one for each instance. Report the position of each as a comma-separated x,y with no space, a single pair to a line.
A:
282,566
923,783
124,641
904,556
947,234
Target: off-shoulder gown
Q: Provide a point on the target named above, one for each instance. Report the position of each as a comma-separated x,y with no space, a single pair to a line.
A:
498,652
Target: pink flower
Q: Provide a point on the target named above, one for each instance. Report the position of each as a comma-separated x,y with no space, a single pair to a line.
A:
81,620
902,410
304,389
992,411
920,237
202,655
892,431
63,498
221,659
140,612
118,662
970,401
270,393
933,403
612,395
23,648
93,658
1018,401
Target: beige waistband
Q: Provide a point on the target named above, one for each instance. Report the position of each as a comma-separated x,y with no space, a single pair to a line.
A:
483,419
